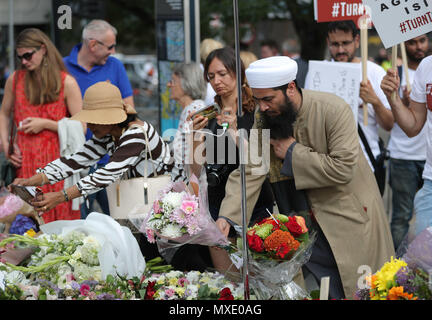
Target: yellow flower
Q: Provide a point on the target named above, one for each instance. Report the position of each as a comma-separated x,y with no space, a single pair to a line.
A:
385,278
180,291
173,282
30,233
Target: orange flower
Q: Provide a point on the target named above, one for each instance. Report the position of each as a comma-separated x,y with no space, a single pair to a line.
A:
279,237
397,293
371,280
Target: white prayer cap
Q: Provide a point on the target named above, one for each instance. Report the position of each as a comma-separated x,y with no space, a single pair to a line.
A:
271,72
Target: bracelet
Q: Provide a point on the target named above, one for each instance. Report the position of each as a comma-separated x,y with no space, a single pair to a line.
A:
65,195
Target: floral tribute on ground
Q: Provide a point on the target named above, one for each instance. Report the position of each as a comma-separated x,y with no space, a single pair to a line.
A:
407,278
97,259
278,246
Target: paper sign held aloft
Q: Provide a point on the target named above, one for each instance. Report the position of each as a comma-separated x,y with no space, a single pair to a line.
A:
338,10
397,21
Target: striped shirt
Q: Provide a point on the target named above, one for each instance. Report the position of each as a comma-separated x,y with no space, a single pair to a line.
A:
127,160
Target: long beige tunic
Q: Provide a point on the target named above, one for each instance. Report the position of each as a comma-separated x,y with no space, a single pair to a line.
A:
329,165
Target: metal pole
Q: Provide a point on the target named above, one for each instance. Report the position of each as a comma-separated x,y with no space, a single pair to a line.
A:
11,38
245,273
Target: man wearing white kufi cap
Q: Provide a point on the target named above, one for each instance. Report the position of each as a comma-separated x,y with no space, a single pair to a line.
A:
316,164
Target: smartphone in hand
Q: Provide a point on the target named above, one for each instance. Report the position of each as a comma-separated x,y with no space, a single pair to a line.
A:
28,194
209,112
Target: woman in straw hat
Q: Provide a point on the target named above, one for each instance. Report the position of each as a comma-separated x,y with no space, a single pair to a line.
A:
39,94
116,131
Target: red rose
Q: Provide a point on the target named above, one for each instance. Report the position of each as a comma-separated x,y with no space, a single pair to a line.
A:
255,243
225,294
294,227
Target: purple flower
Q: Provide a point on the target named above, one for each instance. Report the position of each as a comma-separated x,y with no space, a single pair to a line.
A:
105,296
362,294
22,224
75,285
405,278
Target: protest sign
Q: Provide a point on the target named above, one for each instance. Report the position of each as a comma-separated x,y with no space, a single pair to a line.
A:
398,20
341,78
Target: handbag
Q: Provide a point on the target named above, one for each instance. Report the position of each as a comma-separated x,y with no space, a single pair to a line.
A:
379,162
7,169
125,195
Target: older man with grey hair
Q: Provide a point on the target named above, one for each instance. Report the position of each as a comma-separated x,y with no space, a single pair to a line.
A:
91,62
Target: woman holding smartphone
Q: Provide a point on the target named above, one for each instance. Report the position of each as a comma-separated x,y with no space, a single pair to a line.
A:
222,156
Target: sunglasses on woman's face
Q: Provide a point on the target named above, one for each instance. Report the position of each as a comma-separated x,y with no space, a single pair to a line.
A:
27,56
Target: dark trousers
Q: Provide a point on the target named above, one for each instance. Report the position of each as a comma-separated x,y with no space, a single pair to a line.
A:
101,197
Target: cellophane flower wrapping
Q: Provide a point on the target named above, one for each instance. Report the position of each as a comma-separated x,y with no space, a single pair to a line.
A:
272,266
180,216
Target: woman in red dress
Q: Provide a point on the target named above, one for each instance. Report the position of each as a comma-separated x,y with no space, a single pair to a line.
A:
39,93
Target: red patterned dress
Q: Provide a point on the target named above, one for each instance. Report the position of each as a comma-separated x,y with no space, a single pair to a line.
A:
39,149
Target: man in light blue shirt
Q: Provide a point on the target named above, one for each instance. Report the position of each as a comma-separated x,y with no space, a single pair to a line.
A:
91,62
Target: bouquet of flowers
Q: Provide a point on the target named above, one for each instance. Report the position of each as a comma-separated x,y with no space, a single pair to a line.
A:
407,278
192,285
14,285
17,216
179,216
278,246
89,249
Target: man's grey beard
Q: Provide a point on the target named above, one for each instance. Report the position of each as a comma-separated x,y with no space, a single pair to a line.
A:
282,125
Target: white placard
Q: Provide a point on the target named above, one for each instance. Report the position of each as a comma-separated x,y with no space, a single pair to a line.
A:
341,78
400,20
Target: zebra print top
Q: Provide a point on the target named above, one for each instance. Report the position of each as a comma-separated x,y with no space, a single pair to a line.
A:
128,158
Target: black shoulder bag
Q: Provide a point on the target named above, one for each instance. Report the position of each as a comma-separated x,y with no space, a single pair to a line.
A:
378,163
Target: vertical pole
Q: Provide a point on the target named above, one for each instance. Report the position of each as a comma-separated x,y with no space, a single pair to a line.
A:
187,25
364,56
394,66
405,65
11,38
197,31
245,273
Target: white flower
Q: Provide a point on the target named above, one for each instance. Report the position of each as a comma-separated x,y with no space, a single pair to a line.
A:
174,199
77,254
193,276
90,250
2,280
171,231
16,277
174,274
191,292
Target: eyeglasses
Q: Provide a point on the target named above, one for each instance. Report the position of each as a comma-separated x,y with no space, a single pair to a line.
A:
27,56
342,44
171,82
103,44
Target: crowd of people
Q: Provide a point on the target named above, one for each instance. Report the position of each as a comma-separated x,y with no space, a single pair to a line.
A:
320,160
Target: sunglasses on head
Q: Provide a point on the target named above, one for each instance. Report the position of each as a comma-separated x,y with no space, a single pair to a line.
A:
28,55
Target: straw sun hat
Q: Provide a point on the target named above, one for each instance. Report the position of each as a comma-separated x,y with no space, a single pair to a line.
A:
103,104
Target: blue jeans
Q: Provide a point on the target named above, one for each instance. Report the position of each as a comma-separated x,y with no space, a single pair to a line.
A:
405,179
423,207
